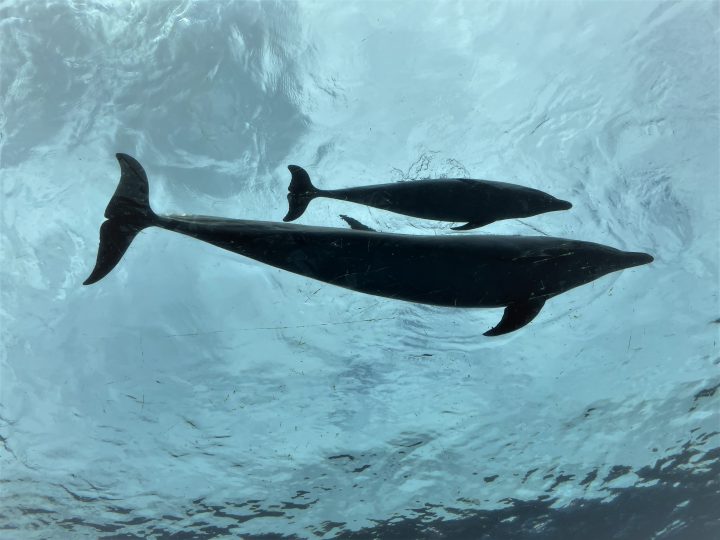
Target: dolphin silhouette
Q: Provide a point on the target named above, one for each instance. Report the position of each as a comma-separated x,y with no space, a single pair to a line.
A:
518,273
477,202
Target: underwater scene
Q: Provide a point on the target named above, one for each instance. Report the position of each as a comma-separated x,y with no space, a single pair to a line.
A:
360,270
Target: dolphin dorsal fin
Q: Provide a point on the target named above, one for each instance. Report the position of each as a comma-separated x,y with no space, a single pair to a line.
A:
516,316
355,224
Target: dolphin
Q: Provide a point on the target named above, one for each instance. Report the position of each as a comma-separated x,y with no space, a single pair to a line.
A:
517,273
477,202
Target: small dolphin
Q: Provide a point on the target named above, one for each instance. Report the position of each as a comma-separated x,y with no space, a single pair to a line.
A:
518,273
477,202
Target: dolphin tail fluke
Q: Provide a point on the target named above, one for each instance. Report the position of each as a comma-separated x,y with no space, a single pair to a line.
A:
127,214
516,316
300,192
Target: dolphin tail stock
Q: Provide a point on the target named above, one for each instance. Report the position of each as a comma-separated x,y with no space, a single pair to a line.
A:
300,192
127,213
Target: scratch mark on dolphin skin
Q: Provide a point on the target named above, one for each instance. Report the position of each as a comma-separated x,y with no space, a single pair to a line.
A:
363,272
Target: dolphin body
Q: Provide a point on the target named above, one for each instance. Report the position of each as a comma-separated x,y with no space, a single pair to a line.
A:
518,273
477,202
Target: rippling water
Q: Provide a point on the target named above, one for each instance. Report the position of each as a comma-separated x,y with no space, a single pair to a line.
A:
197,394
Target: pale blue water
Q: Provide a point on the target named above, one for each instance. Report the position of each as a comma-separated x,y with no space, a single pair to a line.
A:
196,394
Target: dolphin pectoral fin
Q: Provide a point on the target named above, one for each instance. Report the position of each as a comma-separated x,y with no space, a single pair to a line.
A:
516,316
472,225
355,224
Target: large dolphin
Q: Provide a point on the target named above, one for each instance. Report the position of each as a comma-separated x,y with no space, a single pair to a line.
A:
517,273
476,202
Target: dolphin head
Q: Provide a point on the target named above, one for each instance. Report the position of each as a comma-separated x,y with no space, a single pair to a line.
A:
577,263
551,204
629,259
540,203
559,204
610,260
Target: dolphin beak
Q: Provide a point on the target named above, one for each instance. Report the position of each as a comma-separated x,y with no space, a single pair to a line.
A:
562,205
637,259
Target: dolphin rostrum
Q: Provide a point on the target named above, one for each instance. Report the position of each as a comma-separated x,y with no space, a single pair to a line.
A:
476,202
518,273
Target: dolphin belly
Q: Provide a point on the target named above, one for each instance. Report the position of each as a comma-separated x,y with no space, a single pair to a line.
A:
442,200
420,269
